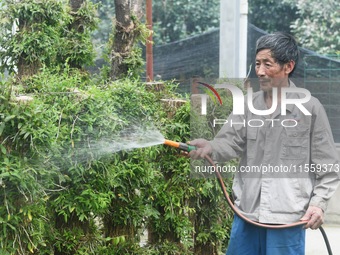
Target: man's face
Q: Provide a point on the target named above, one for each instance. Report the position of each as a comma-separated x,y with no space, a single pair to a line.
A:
270,73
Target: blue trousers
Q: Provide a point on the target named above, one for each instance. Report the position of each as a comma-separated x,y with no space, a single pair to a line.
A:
247,239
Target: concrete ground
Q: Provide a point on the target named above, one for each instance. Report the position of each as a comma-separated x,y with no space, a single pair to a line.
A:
315,244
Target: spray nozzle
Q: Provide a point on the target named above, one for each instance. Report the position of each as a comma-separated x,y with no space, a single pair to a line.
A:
181,146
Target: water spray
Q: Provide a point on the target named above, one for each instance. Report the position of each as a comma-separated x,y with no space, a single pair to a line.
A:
189,148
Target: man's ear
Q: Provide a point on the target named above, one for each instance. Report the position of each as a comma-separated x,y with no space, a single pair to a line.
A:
289,67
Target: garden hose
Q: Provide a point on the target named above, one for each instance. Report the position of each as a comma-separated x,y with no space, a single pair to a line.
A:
188,148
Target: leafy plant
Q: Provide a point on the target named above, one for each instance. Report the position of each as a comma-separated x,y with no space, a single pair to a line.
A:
39,33
66,185
317,26
175,20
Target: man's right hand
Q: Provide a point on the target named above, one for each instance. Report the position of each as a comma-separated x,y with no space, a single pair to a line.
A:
203,148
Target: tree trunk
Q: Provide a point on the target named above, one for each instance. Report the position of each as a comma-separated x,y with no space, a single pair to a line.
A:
203,223
76,26
115,228
127,12
72,223
26,68
75,5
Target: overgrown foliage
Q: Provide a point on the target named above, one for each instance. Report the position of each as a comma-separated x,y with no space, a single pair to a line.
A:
39,33
314,23
318,25
48,170
272,16
175,20
65,188
69,183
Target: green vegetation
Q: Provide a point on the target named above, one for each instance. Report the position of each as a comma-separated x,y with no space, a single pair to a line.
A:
59,195
63,191
318,25
43,33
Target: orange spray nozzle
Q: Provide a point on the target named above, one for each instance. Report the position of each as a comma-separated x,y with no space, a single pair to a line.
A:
181,146
171,143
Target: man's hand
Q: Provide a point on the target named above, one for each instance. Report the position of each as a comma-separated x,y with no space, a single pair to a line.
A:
203,148
314,216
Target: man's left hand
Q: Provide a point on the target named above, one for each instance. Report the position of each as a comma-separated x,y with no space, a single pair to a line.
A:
314,217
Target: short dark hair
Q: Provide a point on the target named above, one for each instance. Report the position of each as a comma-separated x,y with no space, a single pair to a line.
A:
283,47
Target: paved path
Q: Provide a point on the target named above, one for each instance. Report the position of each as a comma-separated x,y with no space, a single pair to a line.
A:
315,244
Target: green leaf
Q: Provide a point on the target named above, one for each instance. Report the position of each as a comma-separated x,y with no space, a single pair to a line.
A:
3,149
8,118
2,127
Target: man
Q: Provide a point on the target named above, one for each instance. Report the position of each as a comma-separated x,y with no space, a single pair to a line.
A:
299,146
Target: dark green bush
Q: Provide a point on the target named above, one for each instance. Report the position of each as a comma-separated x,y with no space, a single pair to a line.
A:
66,189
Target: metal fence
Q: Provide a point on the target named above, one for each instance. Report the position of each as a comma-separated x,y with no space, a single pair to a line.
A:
322,79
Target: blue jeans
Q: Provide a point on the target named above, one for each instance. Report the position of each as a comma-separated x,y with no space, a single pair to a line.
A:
247,239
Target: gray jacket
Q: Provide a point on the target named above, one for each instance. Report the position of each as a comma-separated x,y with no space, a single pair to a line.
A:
287,162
